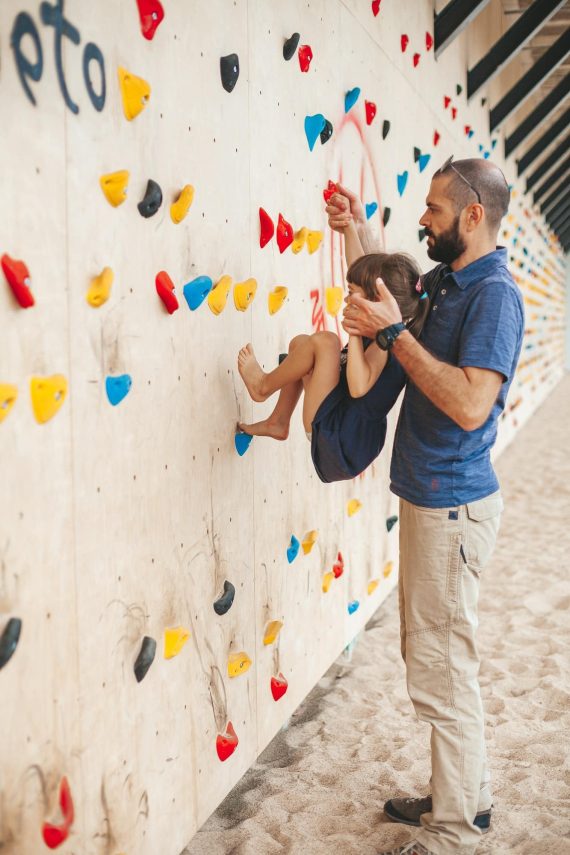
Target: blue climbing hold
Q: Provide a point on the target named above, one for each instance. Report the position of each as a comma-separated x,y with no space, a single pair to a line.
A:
242,442
423,161
352,607
470,134
493,143
351,98
293,549
481,147
402,181
371,208
313,127
118,388
196,291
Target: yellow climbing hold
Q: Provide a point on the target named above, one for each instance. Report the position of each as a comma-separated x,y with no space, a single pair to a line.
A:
244,292
276,298
8,395
372,586
299,240
314,241
135,93
48,394
174,640
309,541
180,208
100,288
272,631
333,299
238,663
114,186
218,296
327,579
353,507
388,567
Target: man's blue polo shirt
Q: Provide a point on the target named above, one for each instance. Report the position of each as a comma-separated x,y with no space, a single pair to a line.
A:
476,319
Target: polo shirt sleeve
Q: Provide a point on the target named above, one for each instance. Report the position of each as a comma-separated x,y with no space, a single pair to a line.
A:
492,331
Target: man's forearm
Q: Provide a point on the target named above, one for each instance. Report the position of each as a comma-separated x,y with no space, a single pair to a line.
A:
446,386
367,239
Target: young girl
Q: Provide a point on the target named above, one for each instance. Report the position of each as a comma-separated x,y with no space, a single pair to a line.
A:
348,392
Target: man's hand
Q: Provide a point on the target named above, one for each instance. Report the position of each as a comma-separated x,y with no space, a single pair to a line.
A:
344,206
364,317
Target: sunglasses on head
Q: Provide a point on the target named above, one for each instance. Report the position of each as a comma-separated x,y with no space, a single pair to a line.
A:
449,165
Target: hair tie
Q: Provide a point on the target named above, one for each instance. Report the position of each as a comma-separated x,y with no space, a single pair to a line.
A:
421,290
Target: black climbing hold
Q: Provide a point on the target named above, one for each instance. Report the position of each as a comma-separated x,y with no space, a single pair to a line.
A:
417,154
459,89
385,128
391,522
483,101
282,356
9,640
290,46
386,216
152,200
145,657
421,234
224,603
326,132
229,70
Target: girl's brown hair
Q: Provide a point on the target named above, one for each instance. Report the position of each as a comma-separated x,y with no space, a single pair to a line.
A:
401,275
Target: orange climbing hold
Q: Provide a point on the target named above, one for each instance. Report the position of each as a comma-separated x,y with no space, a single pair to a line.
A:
244,292
276,298
327,580
314,240
114,186
54,834
372,585
8,395
299,240
238,663
135,93
174,640
48,394
180,208
333,299
309,541
272,630
218,296
100,288
388,567
353,507
18,276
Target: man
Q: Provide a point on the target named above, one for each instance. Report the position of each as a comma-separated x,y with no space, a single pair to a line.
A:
459,373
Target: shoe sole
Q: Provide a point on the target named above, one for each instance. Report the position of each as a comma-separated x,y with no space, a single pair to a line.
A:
402,821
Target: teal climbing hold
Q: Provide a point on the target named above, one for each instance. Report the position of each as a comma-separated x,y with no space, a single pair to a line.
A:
293,549
352,607
196,291
9,640
493,143
481,147
470,133
402,181
118,388
391,522
313,127
371,208
423,161
242,442
351,98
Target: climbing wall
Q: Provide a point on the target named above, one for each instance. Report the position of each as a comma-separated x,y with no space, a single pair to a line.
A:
168,593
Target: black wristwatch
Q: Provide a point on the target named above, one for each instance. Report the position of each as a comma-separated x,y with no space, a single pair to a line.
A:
385,338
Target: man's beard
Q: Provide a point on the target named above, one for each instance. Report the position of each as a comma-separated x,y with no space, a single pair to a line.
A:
447,246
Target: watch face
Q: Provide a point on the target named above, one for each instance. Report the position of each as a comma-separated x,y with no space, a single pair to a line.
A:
382,339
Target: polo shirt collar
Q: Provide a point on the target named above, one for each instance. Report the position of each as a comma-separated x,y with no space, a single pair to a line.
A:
479,269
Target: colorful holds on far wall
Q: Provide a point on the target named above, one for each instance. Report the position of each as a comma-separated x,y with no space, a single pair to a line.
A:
372,585
118,388
218,296
385,128
8,395
224,603
48,394
114,186
375,7
9,640
309,541
436,137
391,522
174,640
353,606
18,276
196,291
429,41
284,234
327,581
305,55
272,630
279,686
353,507
293,549
151,15
276,298
54,834
290,46
416,59
238,664
338,566
404,42
402,180
244,292
388,567
165,290
386,216
370,110
145,658
226,743
100,288
266,228
229,71
313,127
135,93
181,206
350,98
371,208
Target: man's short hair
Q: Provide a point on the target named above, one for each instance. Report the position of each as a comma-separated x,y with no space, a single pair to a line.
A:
489,182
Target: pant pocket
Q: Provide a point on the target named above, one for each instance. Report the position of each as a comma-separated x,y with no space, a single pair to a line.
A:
453,568
483,521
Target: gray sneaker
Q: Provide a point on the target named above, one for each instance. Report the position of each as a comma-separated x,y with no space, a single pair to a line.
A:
412,848
408,812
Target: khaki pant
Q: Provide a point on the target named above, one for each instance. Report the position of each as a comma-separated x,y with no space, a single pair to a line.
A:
442,553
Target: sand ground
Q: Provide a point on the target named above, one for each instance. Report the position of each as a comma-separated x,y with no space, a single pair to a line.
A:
320,785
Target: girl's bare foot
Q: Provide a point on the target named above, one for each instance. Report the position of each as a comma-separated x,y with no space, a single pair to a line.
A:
252,373
276,430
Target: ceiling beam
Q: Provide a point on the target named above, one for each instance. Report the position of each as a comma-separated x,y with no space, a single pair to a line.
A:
563,224
508,46
558,214
559,194
552,180
548,163
538,115
542,68
452,19
544,141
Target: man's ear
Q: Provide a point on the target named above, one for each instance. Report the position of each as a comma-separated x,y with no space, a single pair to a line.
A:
475,216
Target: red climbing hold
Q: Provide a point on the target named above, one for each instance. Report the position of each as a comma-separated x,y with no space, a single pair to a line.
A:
338,566
467,130
226,743
370,108
279,686
284,234
305,56
55,835
329,191
416,60
454,112
151,15
436,137
429,41
18,277
165,290
375,7
404,42
446,101
267,229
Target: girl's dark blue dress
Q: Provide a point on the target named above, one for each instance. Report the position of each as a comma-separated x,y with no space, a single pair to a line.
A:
349,433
